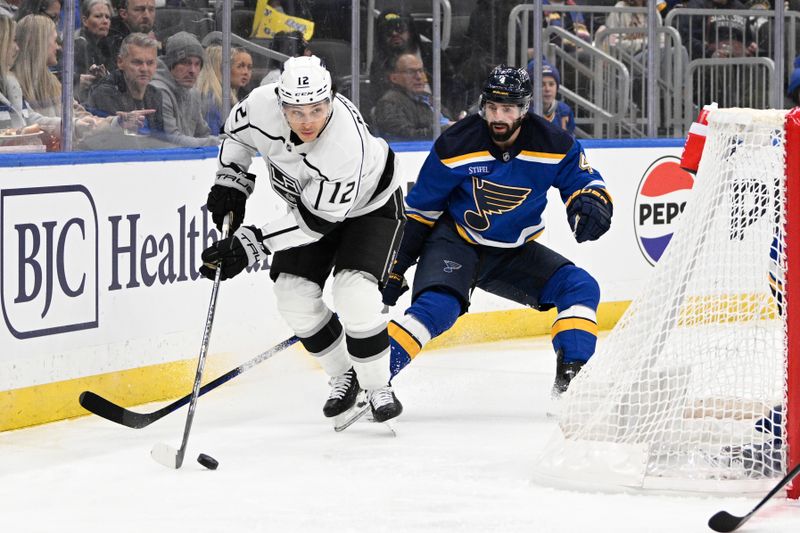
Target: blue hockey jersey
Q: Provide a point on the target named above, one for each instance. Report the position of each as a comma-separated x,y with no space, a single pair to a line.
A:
497,198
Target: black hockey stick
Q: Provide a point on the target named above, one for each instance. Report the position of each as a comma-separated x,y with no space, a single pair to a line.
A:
94,403
723,521
164,453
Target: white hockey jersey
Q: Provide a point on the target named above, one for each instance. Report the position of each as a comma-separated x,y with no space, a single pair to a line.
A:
341,174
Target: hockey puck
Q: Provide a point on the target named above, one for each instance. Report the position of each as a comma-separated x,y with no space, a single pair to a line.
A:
207,461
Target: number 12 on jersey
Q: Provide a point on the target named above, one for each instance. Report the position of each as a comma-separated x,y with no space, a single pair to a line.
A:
342,192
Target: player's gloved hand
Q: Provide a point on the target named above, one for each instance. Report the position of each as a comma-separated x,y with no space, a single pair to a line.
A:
395,286
229,193
589,214
232,255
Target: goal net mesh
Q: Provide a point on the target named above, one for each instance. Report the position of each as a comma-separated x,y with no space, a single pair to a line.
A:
687,392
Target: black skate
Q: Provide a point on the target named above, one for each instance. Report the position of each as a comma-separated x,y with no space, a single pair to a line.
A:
385,404
565,373
344,390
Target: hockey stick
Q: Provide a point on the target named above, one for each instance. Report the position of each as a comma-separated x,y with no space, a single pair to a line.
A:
723,521
164,453
94,403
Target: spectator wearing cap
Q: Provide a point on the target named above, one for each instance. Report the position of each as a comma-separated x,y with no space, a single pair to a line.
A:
397,34
553,110
793,91
404,111
183,119
720,35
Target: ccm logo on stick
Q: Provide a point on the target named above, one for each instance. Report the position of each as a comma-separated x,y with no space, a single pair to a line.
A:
49,260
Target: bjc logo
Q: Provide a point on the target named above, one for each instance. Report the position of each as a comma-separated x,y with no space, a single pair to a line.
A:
49,260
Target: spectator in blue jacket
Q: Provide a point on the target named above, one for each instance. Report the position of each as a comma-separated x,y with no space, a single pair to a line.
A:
553,109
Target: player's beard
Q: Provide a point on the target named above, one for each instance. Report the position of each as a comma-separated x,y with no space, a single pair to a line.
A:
503,137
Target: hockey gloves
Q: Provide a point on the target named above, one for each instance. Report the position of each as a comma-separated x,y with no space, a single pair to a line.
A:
589,214
395,286
230,192
232,255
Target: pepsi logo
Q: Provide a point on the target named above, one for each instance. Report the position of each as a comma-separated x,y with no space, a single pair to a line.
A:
660,199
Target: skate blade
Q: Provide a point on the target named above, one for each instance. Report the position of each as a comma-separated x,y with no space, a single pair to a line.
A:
390,426
349,417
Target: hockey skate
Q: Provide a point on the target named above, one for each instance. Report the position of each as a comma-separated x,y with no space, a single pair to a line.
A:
385,405
344,390
565,373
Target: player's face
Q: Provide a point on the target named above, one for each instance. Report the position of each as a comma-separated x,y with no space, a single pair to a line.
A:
549,90
307,121
138,65
503,119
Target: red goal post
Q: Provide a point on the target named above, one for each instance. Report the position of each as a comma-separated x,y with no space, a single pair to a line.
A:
792,150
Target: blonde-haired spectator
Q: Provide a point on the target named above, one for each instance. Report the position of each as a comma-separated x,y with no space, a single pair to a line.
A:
209,82
14,111
38,49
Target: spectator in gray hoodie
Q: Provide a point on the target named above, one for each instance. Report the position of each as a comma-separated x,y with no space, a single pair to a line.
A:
183,119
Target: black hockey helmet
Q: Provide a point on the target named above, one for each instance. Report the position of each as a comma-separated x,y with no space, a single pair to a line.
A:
507,85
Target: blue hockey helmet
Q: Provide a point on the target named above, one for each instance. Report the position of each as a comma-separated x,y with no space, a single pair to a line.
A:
507,85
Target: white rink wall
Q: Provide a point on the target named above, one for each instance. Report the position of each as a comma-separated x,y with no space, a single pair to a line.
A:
99,261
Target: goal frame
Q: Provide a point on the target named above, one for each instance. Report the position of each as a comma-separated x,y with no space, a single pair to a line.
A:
792,422
597,446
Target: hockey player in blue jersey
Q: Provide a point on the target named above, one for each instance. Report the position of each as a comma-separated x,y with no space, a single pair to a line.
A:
474,216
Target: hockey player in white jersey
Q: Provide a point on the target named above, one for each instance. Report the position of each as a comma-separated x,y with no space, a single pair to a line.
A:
345,215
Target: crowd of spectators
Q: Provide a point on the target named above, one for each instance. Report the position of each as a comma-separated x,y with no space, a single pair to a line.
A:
164,86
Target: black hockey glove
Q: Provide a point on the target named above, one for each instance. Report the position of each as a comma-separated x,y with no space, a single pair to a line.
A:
232,255
230,192
394,288
589,214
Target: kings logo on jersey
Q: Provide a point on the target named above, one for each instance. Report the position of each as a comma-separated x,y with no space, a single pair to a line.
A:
660,199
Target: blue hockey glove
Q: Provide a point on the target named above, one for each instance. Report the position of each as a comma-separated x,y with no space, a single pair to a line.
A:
230,192
589,214
232,255
394,288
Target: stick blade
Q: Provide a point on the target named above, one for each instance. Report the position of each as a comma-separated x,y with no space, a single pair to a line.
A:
96,404
723,522
165,455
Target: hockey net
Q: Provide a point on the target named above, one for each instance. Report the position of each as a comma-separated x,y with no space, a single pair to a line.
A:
695,389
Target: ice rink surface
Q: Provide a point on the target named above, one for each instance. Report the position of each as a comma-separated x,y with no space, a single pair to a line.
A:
474,420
